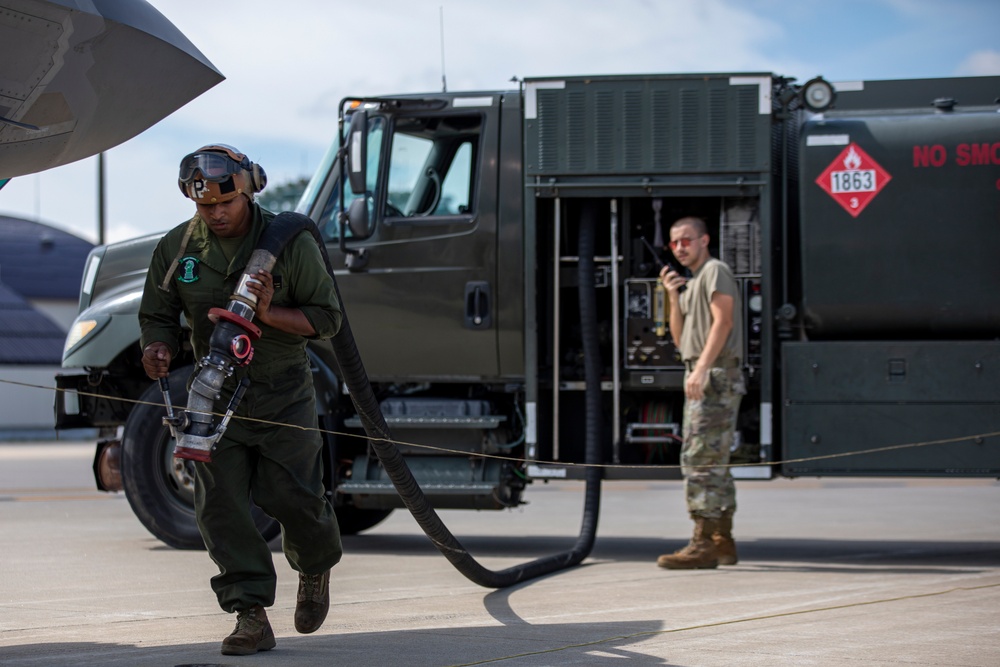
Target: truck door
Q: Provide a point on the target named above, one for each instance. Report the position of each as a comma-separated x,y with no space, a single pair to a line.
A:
422,304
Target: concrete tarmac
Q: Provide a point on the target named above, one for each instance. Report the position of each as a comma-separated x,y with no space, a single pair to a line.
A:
832,572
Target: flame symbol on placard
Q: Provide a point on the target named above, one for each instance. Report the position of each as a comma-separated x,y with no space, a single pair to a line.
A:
853,160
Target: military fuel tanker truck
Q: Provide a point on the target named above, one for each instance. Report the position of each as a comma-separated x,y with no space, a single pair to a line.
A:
861,220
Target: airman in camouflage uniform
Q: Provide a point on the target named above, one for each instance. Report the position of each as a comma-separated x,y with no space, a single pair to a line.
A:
706,325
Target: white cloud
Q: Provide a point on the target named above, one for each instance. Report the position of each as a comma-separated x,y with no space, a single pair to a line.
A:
289,78
980,63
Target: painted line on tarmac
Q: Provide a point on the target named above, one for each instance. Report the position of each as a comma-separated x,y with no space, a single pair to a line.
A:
52,495
749,619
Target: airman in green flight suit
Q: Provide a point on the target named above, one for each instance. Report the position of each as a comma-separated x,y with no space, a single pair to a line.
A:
196,267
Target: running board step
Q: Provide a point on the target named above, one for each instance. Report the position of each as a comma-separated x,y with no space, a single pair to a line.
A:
493,421
435,413
432,489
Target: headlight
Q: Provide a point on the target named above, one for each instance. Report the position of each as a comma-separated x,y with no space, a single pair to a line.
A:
80,330
818,94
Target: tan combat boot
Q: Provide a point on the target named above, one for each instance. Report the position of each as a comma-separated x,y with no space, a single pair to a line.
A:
699,553
312,602
253,633
725,546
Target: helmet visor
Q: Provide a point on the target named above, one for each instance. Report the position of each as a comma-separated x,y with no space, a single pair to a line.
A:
214,167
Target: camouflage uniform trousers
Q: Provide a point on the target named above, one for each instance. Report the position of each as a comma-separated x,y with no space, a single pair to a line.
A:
709,429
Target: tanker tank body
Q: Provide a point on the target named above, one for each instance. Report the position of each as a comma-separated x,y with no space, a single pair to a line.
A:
897,282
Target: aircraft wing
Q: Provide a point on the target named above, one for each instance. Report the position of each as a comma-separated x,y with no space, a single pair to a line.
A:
78,77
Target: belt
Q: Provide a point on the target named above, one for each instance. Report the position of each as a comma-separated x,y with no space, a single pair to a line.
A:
719,363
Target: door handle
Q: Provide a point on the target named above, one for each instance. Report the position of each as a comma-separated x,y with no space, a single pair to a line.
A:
478,311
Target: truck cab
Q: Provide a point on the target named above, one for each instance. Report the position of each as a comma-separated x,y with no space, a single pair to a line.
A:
435,273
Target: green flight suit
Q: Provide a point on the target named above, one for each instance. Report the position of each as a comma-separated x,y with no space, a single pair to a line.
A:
281,468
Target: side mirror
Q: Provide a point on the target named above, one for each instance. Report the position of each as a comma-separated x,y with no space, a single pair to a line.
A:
358,152
357,218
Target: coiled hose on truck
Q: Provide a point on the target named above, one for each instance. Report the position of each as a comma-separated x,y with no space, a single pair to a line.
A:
283,229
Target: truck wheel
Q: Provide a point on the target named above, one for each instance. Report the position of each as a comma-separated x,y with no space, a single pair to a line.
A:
159,487
353,520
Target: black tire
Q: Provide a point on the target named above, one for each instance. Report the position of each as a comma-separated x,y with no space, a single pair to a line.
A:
160,488
353,520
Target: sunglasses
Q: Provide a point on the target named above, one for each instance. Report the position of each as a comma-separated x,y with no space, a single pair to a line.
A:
680,243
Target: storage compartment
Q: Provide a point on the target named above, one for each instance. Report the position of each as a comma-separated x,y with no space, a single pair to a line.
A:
845,397
892,372
822,430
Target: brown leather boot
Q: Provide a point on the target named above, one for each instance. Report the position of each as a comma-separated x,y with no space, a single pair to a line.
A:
312,602
725,546
699,553
253,633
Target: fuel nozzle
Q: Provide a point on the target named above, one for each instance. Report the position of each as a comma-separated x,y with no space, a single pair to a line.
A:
230,345
197,447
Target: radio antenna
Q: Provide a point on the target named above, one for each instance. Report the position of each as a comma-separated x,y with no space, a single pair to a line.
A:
444,81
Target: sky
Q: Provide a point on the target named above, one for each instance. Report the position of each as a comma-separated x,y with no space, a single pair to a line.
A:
287,65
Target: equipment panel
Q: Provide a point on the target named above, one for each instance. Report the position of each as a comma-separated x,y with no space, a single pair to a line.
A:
657,124
647,335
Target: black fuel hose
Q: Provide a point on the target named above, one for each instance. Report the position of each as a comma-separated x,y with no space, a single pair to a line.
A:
352,372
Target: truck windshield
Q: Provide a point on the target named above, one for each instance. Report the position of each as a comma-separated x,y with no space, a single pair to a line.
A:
308,199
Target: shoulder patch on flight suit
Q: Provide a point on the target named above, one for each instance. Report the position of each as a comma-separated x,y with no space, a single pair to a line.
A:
189,269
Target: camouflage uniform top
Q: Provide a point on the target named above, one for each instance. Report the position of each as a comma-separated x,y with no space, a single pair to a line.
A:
205,279
713,276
